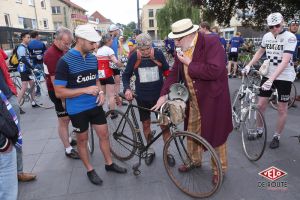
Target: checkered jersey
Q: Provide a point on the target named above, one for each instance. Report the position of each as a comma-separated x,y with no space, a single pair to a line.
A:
285,42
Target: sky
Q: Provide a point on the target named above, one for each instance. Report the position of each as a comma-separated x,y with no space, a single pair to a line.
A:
119,11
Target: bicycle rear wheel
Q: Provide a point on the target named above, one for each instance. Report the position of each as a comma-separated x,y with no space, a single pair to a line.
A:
274,97
43,100
122,137
197,180
254,134
91,142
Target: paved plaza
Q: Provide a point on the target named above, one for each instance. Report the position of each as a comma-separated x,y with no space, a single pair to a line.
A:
61,178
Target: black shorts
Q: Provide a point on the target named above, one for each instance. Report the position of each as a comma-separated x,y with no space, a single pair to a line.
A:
283,89
25,76
145,114
116,72
81,121
60,111
109,80
233,56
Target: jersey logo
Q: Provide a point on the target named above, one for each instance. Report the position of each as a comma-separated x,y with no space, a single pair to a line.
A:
90,77
292,40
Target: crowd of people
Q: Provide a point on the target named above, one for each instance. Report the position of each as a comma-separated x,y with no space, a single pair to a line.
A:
80,80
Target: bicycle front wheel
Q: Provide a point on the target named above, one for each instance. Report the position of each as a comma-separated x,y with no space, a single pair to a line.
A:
42,99
122,137
254,134
91,141
195,164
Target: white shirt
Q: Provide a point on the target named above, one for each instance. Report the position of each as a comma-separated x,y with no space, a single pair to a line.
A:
105,51
285,42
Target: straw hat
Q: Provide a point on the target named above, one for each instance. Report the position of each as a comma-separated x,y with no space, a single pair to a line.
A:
182,28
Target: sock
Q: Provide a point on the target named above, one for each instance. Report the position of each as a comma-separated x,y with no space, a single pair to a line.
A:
276,135
33,103
69,149
260,130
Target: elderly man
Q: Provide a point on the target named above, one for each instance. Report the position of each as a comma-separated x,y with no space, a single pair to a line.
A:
203,69
148,65
76,80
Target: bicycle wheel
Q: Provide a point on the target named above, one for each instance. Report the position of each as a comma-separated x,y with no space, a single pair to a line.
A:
196,181
43,100
236,109
91,141
254,134
122,137
274,98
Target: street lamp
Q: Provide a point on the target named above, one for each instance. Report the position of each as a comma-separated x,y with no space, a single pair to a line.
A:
138,14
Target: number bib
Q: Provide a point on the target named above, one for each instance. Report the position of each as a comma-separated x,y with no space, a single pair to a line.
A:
148,74
233,49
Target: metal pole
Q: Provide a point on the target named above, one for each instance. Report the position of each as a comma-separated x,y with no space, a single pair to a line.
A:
138,14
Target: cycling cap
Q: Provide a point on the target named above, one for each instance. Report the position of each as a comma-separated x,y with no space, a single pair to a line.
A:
274,19
131,42
113,27
294,21
144,39
87,32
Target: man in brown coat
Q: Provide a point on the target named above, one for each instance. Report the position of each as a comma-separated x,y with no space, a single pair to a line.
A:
202,66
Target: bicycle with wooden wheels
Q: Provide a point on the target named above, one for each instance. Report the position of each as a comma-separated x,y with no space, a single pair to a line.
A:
126,141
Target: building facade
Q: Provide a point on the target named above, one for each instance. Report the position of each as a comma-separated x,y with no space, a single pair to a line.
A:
100,22
149,22
17,16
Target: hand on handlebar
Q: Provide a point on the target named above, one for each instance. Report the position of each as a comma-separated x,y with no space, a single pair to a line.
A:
159,103
246,69
128,95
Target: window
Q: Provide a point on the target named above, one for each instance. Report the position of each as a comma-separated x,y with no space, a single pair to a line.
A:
7,19
56,10
21,21
97,20
34,24
43,4
150,11
45,23
57,25
31,2
19,1
151,23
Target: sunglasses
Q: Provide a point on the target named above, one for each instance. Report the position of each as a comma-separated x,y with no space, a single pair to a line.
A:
276,26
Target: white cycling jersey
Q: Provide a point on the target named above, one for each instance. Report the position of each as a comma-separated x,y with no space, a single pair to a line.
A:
285,42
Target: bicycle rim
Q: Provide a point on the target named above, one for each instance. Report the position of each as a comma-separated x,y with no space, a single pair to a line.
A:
253,144
122,138
197,181
42,99
91,141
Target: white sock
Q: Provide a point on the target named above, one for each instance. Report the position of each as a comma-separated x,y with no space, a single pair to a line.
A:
33,103
69,149
277,135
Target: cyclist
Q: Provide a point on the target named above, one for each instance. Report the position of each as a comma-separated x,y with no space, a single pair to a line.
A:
76,79
61,44
169,46
148,65
279,46
234,44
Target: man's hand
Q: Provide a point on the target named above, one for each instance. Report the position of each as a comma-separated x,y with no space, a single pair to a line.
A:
267,85
128,95
159,102
92,90
100,99
184,59
246,69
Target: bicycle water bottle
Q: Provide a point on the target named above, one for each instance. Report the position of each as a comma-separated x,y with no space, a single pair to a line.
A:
21,67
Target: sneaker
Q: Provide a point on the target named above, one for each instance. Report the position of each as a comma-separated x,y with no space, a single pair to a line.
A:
229,76
259,133
34,105
115,168
170,160
94,178
25,177
275,143
149,158
74,154
233,76
22,111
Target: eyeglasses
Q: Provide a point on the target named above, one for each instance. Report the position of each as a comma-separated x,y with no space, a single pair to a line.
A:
276,26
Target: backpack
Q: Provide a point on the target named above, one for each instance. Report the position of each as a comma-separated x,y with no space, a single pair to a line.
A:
8,127
14,60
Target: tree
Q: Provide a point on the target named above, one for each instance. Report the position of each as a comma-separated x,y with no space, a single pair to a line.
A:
129,29
175,10
251,12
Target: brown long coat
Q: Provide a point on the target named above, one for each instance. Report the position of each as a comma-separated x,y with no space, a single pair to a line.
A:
209,75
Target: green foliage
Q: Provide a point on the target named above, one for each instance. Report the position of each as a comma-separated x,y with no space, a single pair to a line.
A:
129,29
173,11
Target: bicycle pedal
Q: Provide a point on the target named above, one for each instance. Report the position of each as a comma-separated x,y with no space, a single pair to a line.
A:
136,166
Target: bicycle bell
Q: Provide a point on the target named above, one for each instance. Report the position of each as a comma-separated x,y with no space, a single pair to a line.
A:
178,91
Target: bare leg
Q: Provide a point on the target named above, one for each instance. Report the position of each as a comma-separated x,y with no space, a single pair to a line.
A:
22,91
102,132
262,105
282,115
234,68
63,130
147,129
31,84
82,139
229,68
117,88
110,91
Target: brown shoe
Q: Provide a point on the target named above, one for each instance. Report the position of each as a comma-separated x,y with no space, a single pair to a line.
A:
297,98
25,177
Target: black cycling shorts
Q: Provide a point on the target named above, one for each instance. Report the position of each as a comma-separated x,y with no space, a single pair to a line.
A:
60,111
26,76
81,121
145,114
283,89
116,72
233,57
109,80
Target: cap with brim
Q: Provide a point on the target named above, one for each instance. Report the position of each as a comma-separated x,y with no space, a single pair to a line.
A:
182,28
274,19
113,27
87,32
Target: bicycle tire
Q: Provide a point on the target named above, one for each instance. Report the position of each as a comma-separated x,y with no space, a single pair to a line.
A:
253,144
91,142
274,98
122,146
200,173
43,100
